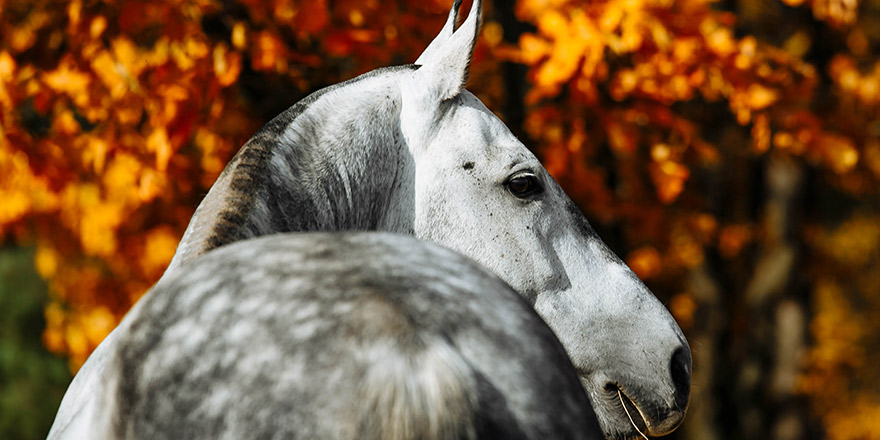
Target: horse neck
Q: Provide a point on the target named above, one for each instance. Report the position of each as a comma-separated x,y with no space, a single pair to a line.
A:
334,161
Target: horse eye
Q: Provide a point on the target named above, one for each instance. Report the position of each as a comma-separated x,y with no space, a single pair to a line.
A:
524,185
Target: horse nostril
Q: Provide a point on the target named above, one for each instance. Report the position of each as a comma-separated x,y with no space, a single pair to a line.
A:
680,367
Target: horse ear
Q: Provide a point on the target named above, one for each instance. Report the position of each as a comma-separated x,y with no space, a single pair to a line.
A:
445,63
441,76
444,34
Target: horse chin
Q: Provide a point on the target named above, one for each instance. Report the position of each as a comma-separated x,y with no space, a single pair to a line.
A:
613,419
622,418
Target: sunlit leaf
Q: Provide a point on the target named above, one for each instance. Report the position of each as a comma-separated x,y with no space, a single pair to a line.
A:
669,178
839,151
683,307
645,262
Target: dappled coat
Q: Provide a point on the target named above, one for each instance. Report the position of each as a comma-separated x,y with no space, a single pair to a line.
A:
337,336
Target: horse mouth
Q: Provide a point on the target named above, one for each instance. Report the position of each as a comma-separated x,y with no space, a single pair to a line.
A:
631,410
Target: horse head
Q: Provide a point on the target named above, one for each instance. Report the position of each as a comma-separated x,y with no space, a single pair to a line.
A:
480,191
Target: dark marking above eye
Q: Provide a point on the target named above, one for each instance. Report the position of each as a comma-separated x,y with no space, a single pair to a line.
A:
468,165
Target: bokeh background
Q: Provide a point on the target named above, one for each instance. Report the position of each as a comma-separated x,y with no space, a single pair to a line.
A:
728,150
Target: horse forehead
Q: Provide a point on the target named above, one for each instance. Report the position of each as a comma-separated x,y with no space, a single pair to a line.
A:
476,128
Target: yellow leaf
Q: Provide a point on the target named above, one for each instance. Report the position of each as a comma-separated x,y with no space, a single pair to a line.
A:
7,66
533,48
98,323
76,340
239,36
493,33
46,261
719,40
783,140
65,124
67,79
97,229
869,89
798,44
151,184
74,12
53,340
660,152
180,56
630,34
159,144
19,186
128,58
552,23
610,19
24,35
97,27
759,97
122,174
160,245
106,68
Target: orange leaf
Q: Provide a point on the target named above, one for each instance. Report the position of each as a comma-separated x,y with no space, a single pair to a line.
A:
683,307
761,133
669,178
312,18
838,151
227,65
759,97
645,262
268,51
733,238
159,144
67,79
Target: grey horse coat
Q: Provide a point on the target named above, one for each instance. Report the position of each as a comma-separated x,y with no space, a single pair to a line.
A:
337,336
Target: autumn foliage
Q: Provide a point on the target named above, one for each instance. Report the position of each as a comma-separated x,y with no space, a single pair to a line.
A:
117,117
650,112
731,149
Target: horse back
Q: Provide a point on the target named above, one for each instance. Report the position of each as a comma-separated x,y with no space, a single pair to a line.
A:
338,336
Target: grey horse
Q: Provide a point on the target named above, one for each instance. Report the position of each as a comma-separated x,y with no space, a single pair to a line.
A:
408,150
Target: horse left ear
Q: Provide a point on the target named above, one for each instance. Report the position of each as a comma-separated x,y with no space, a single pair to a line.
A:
443,36
441,76
446,61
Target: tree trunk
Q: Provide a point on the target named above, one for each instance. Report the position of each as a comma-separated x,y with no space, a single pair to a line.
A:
775,339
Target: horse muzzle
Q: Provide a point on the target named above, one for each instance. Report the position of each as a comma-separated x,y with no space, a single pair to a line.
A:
632,408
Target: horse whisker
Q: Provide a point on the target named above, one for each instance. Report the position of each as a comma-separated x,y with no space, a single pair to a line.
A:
619,395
